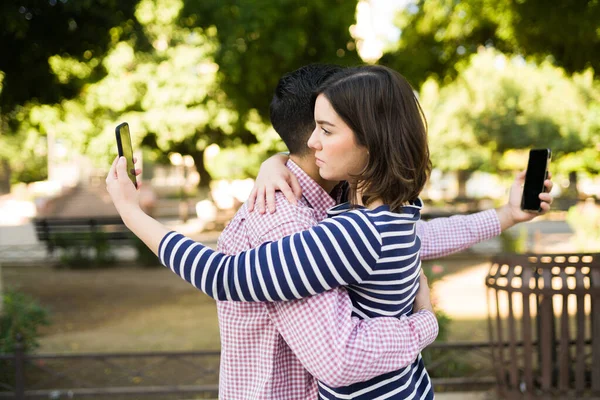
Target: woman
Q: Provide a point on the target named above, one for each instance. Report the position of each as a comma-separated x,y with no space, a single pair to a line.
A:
370,131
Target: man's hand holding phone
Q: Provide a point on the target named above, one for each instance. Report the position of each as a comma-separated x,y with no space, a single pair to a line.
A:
511,213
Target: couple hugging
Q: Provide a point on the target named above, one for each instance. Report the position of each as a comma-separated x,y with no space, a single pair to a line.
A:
323,296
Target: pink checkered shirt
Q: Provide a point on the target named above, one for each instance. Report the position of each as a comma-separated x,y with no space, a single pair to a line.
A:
276,350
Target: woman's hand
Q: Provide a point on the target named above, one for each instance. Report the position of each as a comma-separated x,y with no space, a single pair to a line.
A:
123,193
126,199
272,176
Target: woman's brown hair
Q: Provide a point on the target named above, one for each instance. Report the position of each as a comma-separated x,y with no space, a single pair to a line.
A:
381,108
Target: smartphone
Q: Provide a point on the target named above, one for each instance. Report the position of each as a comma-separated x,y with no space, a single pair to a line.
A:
537,172
125,149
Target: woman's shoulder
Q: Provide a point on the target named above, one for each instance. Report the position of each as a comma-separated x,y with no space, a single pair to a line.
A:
409,212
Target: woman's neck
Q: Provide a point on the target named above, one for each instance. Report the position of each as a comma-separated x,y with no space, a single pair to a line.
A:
374,203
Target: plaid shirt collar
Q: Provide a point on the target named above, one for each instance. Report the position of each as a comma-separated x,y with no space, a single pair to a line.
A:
315,196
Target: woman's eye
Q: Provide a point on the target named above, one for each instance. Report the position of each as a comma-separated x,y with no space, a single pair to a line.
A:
325,131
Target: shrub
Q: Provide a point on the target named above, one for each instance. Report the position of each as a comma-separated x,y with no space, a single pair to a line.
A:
84,249
512,243
22,316
145,256
454,366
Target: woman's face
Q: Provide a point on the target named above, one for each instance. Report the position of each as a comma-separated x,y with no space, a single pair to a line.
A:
338,156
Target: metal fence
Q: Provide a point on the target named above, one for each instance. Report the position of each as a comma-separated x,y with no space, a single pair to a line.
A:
453,366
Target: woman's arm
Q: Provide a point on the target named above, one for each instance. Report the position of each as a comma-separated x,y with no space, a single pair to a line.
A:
272,176
341,251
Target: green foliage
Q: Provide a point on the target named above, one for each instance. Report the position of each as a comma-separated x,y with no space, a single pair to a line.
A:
500,103
454,366
584,219
83,250
33,32
260,40
144,256
515,243
435,272
437,35
21,315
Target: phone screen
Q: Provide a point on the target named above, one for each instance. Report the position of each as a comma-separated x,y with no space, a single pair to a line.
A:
534,178
125,149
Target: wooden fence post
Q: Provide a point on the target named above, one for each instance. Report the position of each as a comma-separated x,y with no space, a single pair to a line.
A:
19,368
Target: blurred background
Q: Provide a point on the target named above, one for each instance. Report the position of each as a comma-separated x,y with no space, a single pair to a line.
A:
194,78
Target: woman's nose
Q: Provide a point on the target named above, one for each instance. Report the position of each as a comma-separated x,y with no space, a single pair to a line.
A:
313,141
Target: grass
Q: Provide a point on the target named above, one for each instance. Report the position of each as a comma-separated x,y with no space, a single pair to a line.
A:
118,310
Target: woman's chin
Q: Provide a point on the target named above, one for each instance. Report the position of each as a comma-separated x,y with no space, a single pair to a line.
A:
328,176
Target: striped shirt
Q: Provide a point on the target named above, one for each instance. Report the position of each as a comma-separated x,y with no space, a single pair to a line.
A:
373,252
282,362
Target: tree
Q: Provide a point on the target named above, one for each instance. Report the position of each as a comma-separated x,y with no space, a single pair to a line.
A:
260,40
33,32
38,40
196,84
500,103
437,35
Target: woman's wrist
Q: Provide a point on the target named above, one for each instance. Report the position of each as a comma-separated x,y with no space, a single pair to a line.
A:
130,215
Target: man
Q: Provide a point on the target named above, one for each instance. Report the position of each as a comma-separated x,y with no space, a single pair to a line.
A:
276,350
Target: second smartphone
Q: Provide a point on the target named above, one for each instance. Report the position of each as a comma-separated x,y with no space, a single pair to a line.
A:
537,172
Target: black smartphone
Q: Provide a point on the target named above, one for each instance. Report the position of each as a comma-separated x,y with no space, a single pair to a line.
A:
125,149
537,172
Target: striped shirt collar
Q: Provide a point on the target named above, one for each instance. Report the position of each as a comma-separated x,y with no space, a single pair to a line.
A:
413,208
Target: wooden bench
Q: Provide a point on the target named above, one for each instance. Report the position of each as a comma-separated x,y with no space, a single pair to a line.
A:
53,232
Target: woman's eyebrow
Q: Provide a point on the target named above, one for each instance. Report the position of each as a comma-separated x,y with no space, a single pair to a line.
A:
321,122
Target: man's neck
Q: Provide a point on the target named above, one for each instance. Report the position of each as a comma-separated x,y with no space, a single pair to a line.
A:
308,165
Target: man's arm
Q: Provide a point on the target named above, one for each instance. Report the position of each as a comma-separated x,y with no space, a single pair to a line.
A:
443,236
338,349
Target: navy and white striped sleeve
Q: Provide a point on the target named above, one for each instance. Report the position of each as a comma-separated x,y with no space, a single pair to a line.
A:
339,251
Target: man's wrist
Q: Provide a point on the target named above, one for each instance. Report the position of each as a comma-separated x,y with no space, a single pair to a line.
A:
426,325
505,217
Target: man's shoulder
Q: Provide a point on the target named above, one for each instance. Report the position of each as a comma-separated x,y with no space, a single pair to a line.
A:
255,224
285,212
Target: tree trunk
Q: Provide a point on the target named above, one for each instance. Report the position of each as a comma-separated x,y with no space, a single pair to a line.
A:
573,185
462,176
4,176
205,178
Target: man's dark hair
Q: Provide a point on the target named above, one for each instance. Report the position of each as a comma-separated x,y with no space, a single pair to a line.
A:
292,111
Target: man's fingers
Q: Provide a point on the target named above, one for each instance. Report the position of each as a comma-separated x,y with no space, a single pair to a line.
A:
545,197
